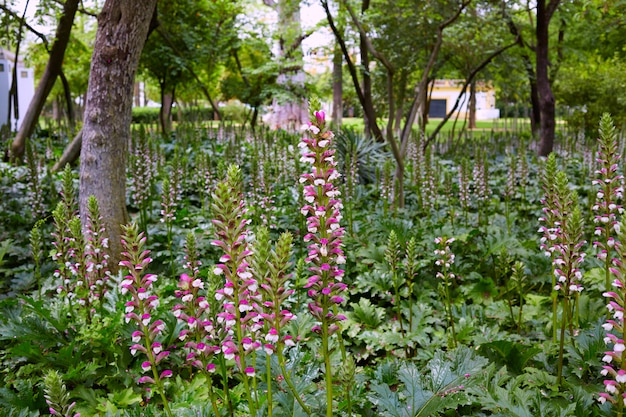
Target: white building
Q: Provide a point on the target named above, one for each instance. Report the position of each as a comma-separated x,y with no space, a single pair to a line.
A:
446,92
25,89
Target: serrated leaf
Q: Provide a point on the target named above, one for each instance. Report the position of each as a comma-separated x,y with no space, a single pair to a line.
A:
387,401
125,398
511,354
442,387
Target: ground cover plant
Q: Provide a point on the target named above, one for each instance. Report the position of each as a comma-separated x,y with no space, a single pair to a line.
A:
272,274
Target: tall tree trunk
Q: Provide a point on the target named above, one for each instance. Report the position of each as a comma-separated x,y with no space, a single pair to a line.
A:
122,31
472,105
535,112
544,90
365,74
13,91
400,102
53,68
337,86
366,105
67,93
165,112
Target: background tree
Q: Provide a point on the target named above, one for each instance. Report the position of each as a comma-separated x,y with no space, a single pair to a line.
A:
246,76
289,108
395,52
53,68
195,38
594,66
122,31
547,106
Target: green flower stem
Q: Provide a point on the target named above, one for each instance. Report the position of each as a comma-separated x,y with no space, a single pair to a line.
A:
328,366
449,307
209,379
157,380
564,321
242,357
555,303
268,374
286,375
344,357
229,404
398,304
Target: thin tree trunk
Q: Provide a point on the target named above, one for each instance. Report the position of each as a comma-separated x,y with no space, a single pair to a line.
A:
122,31
468,80
366,105
365,74
53,68
400,102
421,96
547,105
337,86
172,46
71,152
472,105
165,112
535,113
71,117
13,92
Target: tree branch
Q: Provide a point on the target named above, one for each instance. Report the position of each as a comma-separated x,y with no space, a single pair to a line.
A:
169,43
468,80
26,25
368,110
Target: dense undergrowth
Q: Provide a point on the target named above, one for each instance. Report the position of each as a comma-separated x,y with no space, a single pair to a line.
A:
449,306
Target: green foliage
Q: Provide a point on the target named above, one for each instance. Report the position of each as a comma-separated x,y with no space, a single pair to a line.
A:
442,387
355,150
395,336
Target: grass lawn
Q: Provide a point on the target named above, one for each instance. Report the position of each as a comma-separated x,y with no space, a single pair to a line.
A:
495,124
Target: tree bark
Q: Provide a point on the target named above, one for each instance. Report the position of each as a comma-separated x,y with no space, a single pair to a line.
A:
547,105
67,94
122,32
165,112
535,113
53,68
365,75
472,105
71,152
337,86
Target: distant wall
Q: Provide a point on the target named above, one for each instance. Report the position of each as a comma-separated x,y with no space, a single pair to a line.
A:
25,89
446,92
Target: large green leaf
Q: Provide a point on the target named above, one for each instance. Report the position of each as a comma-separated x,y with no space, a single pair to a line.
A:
512,354
441,387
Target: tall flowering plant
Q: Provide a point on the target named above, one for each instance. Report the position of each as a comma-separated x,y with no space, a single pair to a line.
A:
610,189
444,261
140,309
614,369
239,296
324,235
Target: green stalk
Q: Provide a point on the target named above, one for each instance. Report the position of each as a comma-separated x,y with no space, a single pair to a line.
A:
286,375
562,342
268,373
155,372
344,358
396,288
209,378
449,307
229,404
328,366
507,214
242,358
